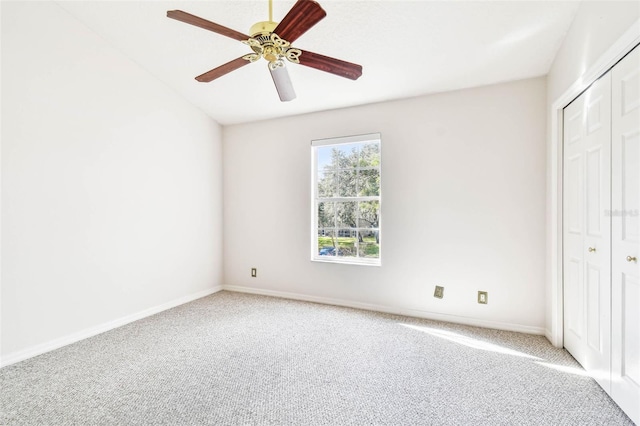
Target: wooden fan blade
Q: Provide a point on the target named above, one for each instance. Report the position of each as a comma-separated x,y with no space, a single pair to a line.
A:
302,16
283,84
334,66
222,70
188,18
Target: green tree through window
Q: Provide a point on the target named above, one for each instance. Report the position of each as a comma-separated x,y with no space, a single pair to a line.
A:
347,199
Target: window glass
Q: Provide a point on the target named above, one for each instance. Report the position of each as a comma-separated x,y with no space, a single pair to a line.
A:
346,199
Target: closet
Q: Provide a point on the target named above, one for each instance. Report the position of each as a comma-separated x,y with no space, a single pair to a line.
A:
601,231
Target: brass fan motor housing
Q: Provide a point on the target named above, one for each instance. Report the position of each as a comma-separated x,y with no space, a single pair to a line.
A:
262,28
267,44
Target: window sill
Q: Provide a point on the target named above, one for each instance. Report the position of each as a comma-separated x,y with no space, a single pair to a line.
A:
347,261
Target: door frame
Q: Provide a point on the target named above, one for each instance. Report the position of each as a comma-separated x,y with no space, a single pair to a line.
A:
555,185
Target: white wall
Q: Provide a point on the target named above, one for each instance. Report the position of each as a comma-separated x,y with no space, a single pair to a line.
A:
463,206
111,186
596,27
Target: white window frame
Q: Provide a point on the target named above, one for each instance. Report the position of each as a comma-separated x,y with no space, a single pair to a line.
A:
315,256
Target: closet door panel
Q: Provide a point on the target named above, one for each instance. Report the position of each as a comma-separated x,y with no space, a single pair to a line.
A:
573,190
597,236
595,288
625,235
595,205
573,230
631,340
630,180
587,230
573,305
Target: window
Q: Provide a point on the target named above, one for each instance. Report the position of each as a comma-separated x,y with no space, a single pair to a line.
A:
346,199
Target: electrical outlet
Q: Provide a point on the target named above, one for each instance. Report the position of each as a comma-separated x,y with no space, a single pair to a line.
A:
483,297
439,292
254,272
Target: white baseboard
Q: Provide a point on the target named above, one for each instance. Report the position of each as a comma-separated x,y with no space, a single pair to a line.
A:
23,354
392,310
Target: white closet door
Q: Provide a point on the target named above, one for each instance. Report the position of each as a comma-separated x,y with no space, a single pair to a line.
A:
625,349
573,229
587,230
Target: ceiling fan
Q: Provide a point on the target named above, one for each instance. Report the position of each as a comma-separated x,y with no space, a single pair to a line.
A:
272,41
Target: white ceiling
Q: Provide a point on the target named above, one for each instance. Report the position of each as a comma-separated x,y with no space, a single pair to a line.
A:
406,48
